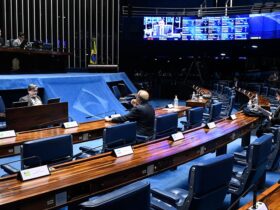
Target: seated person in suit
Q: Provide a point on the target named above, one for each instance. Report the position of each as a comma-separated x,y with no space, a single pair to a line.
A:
142,112
17,42
32,98
273,118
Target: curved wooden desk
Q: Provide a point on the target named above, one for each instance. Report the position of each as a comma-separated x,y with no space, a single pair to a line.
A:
271,197
85,132
77,180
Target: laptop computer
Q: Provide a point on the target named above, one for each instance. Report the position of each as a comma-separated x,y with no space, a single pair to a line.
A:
53,100
20,103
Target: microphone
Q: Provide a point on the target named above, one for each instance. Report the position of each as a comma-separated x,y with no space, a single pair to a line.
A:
11,170
98,115
59,120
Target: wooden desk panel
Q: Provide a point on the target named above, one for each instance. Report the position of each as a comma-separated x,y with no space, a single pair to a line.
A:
34,117
86,177
197,103
85,132
271,197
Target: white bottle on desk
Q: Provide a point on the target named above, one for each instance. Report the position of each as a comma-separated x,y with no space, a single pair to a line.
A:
176,101
193,95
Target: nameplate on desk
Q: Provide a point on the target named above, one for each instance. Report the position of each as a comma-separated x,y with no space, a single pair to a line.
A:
123,151
177,136
7,134
115,115
33,173
259,206
232,117
211,125
170,106
70,124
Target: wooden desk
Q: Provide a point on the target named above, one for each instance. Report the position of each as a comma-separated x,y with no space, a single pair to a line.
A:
85,132
78,180
271,197
196,103
181,110
34,117
262,101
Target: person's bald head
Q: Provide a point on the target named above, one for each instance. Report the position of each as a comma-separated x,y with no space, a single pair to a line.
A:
142,96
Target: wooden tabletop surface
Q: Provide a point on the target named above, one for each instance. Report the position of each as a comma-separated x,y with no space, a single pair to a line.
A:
119,171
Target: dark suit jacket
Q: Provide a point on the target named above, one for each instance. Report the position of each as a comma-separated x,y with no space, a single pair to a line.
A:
143,115
276,116
27,98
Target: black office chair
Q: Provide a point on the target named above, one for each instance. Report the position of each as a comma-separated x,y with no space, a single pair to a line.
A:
208,185
254,170
135,196
49,151
214,113
166,125
119,135
125,101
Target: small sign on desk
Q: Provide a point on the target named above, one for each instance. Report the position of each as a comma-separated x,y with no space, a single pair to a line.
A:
123,151
177,136
211,125
7,134
232,117
33,173
70,124
170,106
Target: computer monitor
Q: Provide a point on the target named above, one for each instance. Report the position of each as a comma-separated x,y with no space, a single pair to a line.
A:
53,100
20,103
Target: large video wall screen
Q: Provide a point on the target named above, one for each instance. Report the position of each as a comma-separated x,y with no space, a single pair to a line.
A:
237,27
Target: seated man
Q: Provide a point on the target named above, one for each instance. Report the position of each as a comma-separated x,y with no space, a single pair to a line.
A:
142,112
32,98
17,42
273,118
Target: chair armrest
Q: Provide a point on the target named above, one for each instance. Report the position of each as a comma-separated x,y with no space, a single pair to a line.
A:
9,169
142,138
240,157
206,115
165,196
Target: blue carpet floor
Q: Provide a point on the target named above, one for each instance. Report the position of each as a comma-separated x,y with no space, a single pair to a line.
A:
176,178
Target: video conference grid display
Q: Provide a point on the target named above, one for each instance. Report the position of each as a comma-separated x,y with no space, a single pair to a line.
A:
238,27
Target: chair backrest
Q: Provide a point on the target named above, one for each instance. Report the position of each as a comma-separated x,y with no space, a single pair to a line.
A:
215,111
2,105
135,196
116,91
119,135
231,105
47,151
166,125
195,116
273,158
207,186
257,159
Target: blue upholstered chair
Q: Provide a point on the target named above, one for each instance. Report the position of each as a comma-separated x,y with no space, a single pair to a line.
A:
214,113
119,135
226,111
255,168
51,150
207,187
194,117
166,125
2,110
135,196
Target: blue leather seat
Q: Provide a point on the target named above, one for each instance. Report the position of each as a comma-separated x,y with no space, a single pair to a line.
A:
119,135
51,150
2,110
166,125
214,113
135,196
207,187
254,169
195,117
227,110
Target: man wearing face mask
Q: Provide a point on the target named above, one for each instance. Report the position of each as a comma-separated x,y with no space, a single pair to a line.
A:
32,98
142,113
